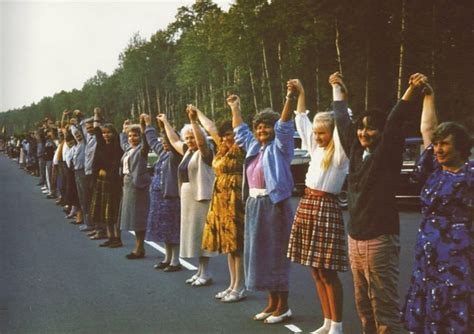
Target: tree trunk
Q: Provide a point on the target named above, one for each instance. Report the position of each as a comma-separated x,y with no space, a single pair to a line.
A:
338,49
267,75
433,43
402,42
158,101
367,49
252,85
196,99
148,98
211,99
280,67
318,94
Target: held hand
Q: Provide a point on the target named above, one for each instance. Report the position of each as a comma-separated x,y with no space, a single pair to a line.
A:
294,87
427,89
126,124
336,79
97,111
73,121
145,118
417,80
233,101
77,113
192,112
161,118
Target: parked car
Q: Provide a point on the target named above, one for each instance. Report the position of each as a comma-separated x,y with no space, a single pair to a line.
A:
407,189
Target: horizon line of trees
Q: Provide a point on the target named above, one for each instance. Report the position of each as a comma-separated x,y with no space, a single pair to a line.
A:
254,48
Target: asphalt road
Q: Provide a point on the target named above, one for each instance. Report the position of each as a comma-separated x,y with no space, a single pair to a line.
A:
53,279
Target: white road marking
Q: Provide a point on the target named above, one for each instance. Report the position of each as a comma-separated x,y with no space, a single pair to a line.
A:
294,328
184,263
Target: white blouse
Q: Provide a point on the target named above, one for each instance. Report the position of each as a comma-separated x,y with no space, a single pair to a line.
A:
126,157
332,179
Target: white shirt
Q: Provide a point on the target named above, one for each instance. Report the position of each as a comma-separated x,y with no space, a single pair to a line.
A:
332,179
126,157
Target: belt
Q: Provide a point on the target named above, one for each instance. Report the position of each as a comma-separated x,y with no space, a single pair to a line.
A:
318,193
256,192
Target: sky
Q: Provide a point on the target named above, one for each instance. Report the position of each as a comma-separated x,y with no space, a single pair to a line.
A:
50,46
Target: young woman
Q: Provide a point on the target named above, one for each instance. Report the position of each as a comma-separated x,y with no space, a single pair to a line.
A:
317,237
224,230
268,212
136,180
107,191
195,177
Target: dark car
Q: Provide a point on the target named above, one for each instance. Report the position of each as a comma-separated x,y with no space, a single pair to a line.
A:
407,188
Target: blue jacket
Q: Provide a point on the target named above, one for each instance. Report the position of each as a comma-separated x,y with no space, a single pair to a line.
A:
277,158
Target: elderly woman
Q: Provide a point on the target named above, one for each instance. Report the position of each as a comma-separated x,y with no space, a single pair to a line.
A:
269,214
136,179
224,230
440,298
107,191
195,177
317,237
163,223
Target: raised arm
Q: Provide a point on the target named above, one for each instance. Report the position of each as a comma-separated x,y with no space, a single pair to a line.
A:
209,125
198,134
344,124
286,113
173,137
150,134
303,124
429,120
123,135
234,103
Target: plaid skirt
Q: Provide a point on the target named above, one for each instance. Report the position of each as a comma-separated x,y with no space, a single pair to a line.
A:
105,202
317,236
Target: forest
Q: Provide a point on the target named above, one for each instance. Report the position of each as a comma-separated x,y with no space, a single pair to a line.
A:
254,48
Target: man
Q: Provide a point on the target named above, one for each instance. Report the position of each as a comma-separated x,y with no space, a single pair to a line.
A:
374,147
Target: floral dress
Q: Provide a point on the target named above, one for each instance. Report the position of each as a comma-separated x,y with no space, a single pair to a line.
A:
440,298
224,229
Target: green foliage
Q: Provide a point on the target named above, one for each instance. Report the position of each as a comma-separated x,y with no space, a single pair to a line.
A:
255,47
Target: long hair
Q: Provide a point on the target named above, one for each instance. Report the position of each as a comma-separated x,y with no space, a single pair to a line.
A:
326,120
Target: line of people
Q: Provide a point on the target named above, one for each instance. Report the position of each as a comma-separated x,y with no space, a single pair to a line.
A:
231,195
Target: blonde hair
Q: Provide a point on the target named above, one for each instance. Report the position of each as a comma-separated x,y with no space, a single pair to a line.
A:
325,120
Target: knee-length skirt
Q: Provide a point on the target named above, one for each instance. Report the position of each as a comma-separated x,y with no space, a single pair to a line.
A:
193,218
267,231
134,206
105,202
163,223
317,236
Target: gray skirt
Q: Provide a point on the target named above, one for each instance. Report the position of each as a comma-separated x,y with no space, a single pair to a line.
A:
267,232
134,206
193,219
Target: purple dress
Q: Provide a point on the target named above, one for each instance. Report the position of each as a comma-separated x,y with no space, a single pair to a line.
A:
440,298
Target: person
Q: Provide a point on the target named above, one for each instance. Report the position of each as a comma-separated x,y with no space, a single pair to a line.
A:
87,126
195,179
40,140
71,197
268,184
224,229
440,298
49,150
317,237
374,147
136,179
107,190
163,223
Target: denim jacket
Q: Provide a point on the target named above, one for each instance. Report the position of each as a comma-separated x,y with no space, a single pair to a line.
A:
277,158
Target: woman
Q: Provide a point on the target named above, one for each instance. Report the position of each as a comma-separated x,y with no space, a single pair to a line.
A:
317,237
195,177
441,295
163,224
107,191
268,212
136,179
71,198
224,229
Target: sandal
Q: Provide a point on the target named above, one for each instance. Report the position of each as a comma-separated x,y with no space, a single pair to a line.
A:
192,279
222,294
234,296
202,281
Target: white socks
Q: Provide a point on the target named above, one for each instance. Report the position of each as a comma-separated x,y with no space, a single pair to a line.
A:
336,328
329,327
324,329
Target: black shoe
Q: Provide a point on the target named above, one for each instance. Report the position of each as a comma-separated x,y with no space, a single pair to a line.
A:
171,268
106,243
116,244
133,256
161,265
